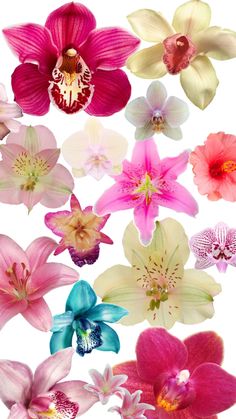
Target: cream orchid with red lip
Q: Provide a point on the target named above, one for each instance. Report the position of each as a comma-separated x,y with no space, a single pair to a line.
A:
183,47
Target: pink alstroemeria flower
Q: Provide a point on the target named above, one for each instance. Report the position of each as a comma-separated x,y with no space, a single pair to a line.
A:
26,277
182,380
80,232
131,408
215,246
29,171
8,111
145,183
41,395
71,63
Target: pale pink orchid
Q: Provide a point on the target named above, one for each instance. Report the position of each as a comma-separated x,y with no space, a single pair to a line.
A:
41,395
106,385
131,408
29,171
8,111
71,63
26,277
145,183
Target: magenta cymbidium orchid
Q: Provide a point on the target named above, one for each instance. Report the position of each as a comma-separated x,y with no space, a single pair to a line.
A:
71,63
96,151
146,183
215,246
183,47
156,287
26,277
8,111
180,379
80,232
42,395
29,171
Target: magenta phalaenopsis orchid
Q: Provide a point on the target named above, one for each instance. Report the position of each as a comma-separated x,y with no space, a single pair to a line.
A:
146,183
26,277
71,63
180,379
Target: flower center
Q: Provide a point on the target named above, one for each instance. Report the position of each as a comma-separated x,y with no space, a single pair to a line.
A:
71,89
178,52
219,169
89,336
31,168
146,188
19,277
158,123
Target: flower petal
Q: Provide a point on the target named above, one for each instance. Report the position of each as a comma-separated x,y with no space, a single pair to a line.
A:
31,89
58,185
38,315
111,92
145,132
108,48
10,307
170,354
149,25
81,298
199,81
109,313
10,252
145,155
70,24
138,112
109,337
148,63
18,411
173,133
191,17
61,340
16,382
174,166
201,245
34,139
76,392
52,370
178,199
217,43
175,111
60,321
33,43
39,251
144,217
114,199
204,347
156,95
49,276
215,390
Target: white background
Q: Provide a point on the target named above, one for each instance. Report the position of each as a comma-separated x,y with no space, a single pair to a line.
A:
18,340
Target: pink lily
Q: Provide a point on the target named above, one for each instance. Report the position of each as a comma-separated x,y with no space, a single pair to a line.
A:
145,183
26,277
8,111
131,408
182,380
71,63
41,395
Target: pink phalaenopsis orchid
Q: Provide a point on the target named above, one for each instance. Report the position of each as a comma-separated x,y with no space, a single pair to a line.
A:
8,111
215,246
29,171
71,63
146,183
41,395
131,408
105,385
180,379
26,277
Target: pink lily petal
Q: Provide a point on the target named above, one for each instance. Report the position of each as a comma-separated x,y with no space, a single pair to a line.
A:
114,199
176,197
31,89
204,347
50,276
111,92
108,48
15,384
39,251
18,411
44,138
174,166
215,390
77,393
145,155
10,252
170,354
52,370
70,25
59,186
32,42
144,218
38,315
9,308
51,219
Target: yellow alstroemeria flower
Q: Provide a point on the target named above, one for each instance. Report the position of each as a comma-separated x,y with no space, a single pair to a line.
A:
156,287
183,47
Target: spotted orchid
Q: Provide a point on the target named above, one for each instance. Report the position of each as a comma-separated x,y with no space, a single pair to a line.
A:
157,114
96,151
145,183
88,321
131,406
70,63
8,111
26,277
180,379
80,232
29,170
182,48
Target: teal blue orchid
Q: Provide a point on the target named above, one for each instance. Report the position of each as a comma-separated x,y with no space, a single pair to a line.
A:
88,321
